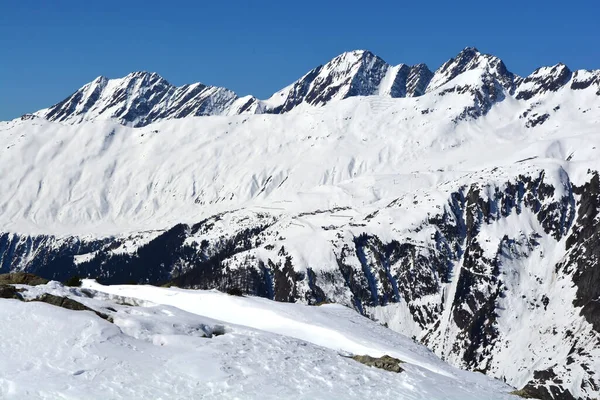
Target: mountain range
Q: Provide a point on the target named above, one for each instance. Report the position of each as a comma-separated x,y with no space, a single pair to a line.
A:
459,207
142,98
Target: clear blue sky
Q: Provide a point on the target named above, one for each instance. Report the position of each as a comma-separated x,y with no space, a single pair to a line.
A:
51,48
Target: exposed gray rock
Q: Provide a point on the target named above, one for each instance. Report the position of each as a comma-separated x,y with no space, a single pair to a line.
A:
385,362
69,304
9,292
22,278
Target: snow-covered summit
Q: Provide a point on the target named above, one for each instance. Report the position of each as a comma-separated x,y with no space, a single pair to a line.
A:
542,80
354,73
139,99
469,59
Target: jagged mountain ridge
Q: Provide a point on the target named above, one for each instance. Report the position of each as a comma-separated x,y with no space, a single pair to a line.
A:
142,98
138,99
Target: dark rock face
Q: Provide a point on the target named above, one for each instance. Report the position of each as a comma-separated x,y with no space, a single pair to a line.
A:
583,257
537,388
299,91
417,80
585,79
536,120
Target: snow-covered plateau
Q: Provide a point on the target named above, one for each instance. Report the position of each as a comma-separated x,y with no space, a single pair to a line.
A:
459,207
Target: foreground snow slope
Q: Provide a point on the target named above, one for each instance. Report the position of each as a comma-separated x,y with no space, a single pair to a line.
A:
155,349
332,326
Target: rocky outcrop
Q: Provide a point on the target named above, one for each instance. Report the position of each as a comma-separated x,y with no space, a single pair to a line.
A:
69,304
9,292
385,362
582,245
542,80
22,278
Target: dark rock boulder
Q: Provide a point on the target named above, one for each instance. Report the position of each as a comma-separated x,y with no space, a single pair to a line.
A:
69,304
22,278
385,362
9,292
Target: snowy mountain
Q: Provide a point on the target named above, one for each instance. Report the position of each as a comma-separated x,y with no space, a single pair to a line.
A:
469,59
458,207
143,98
357,73
138,99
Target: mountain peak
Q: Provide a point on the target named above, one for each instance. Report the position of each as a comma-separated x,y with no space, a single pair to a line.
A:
469,59
142,73
470,50
544,79
137,99
99,79
145,76
358,53
350,60
353,73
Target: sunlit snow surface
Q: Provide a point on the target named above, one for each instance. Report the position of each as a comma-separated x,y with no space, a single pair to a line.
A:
103,178
157,349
